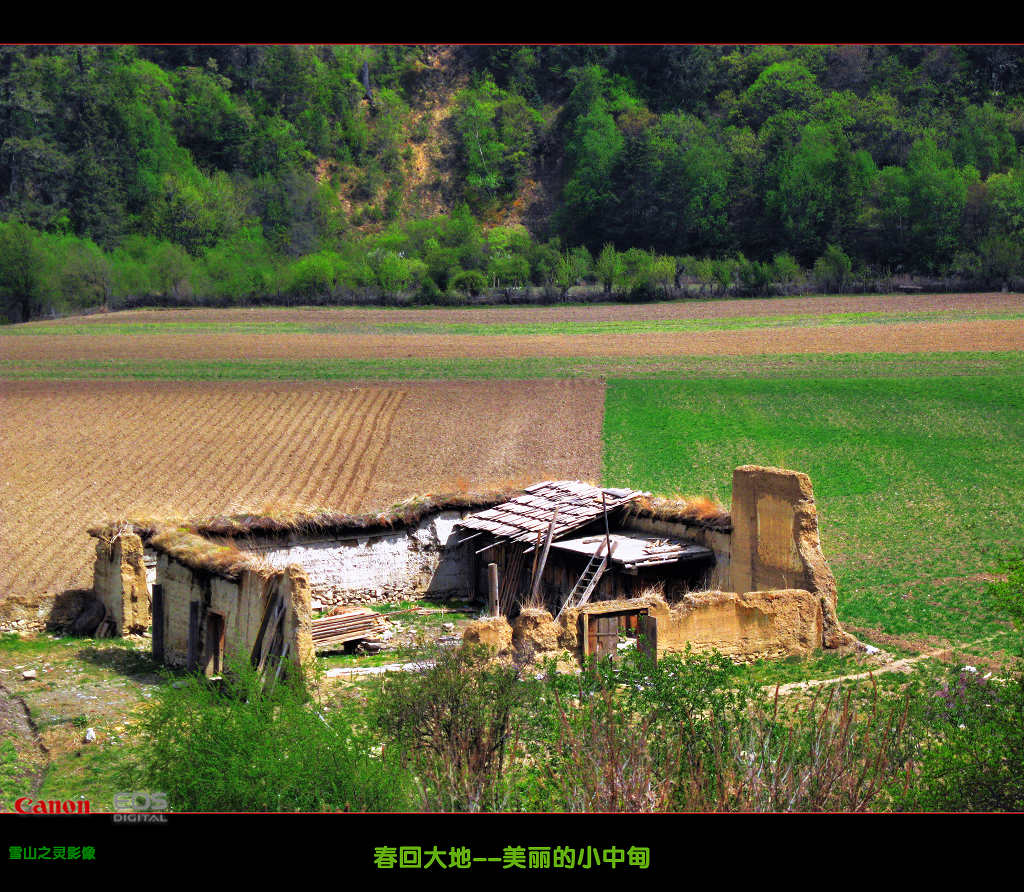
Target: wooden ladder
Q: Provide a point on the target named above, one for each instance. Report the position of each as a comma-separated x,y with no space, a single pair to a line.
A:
588,581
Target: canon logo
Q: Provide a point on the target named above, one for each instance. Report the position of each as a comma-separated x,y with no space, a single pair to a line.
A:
27,806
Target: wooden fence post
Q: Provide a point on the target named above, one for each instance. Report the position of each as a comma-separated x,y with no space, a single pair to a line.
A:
492,590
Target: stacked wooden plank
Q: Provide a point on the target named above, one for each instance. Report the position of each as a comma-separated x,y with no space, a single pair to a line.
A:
352,624
520,519
668,553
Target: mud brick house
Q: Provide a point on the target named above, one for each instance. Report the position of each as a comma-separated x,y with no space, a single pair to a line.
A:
592,562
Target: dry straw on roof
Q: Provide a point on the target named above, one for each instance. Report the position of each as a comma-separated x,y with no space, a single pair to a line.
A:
697,511
190,543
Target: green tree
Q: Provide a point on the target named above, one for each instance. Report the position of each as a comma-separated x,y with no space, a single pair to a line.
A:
592,151
832,270
609,267
984,140
23,262
782,86
85,277
937,195
678,194
821,184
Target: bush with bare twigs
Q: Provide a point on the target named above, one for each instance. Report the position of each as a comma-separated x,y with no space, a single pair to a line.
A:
452,724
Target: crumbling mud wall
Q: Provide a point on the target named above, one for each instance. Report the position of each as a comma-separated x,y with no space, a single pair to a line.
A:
492,631
419,561
191,596
744,627
775,541
52,611
121,583
747,626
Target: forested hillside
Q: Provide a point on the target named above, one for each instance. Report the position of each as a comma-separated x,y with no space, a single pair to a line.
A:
323,174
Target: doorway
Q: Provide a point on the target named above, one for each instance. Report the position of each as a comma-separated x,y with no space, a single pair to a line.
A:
213,644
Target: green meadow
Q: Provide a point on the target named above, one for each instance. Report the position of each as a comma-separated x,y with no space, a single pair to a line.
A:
919,480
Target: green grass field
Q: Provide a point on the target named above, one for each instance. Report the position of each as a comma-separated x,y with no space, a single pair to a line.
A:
919,480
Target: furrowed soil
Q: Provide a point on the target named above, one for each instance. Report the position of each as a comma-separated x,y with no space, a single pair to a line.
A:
76,453
906,337
747,327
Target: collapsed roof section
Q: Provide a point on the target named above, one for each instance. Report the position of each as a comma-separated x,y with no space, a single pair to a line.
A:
631,549
524,517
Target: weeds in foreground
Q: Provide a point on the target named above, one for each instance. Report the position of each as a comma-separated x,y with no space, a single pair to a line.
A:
471,734
828,757
452,726
235,747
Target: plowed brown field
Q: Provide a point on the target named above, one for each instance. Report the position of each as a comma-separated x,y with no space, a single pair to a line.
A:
72,454
897,336
913,337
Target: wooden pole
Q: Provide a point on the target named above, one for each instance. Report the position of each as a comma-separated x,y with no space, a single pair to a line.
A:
492,589
607,535
536,553
543,557
608,547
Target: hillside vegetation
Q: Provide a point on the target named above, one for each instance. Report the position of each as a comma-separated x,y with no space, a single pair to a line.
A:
134,175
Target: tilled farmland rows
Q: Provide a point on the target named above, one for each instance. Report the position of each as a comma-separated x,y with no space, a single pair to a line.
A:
76,453
911,337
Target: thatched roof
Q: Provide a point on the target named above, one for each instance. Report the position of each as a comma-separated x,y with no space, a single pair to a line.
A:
519,515
190,541
200,553
325,522
699,512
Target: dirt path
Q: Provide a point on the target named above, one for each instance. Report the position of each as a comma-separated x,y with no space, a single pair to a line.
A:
903,664
17,728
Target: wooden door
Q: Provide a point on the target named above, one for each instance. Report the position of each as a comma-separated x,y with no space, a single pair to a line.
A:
192,655
158,623
647,635
604,636
213,644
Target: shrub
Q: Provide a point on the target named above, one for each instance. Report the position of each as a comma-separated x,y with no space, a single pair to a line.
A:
971,736
311,276
452,724
755,277
236,748
785,269
608,764
823,757
683,735
630,735
970,730
469,281
832,269
428,292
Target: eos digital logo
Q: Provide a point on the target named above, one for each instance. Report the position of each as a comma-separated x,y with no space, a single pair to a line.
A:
140,801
